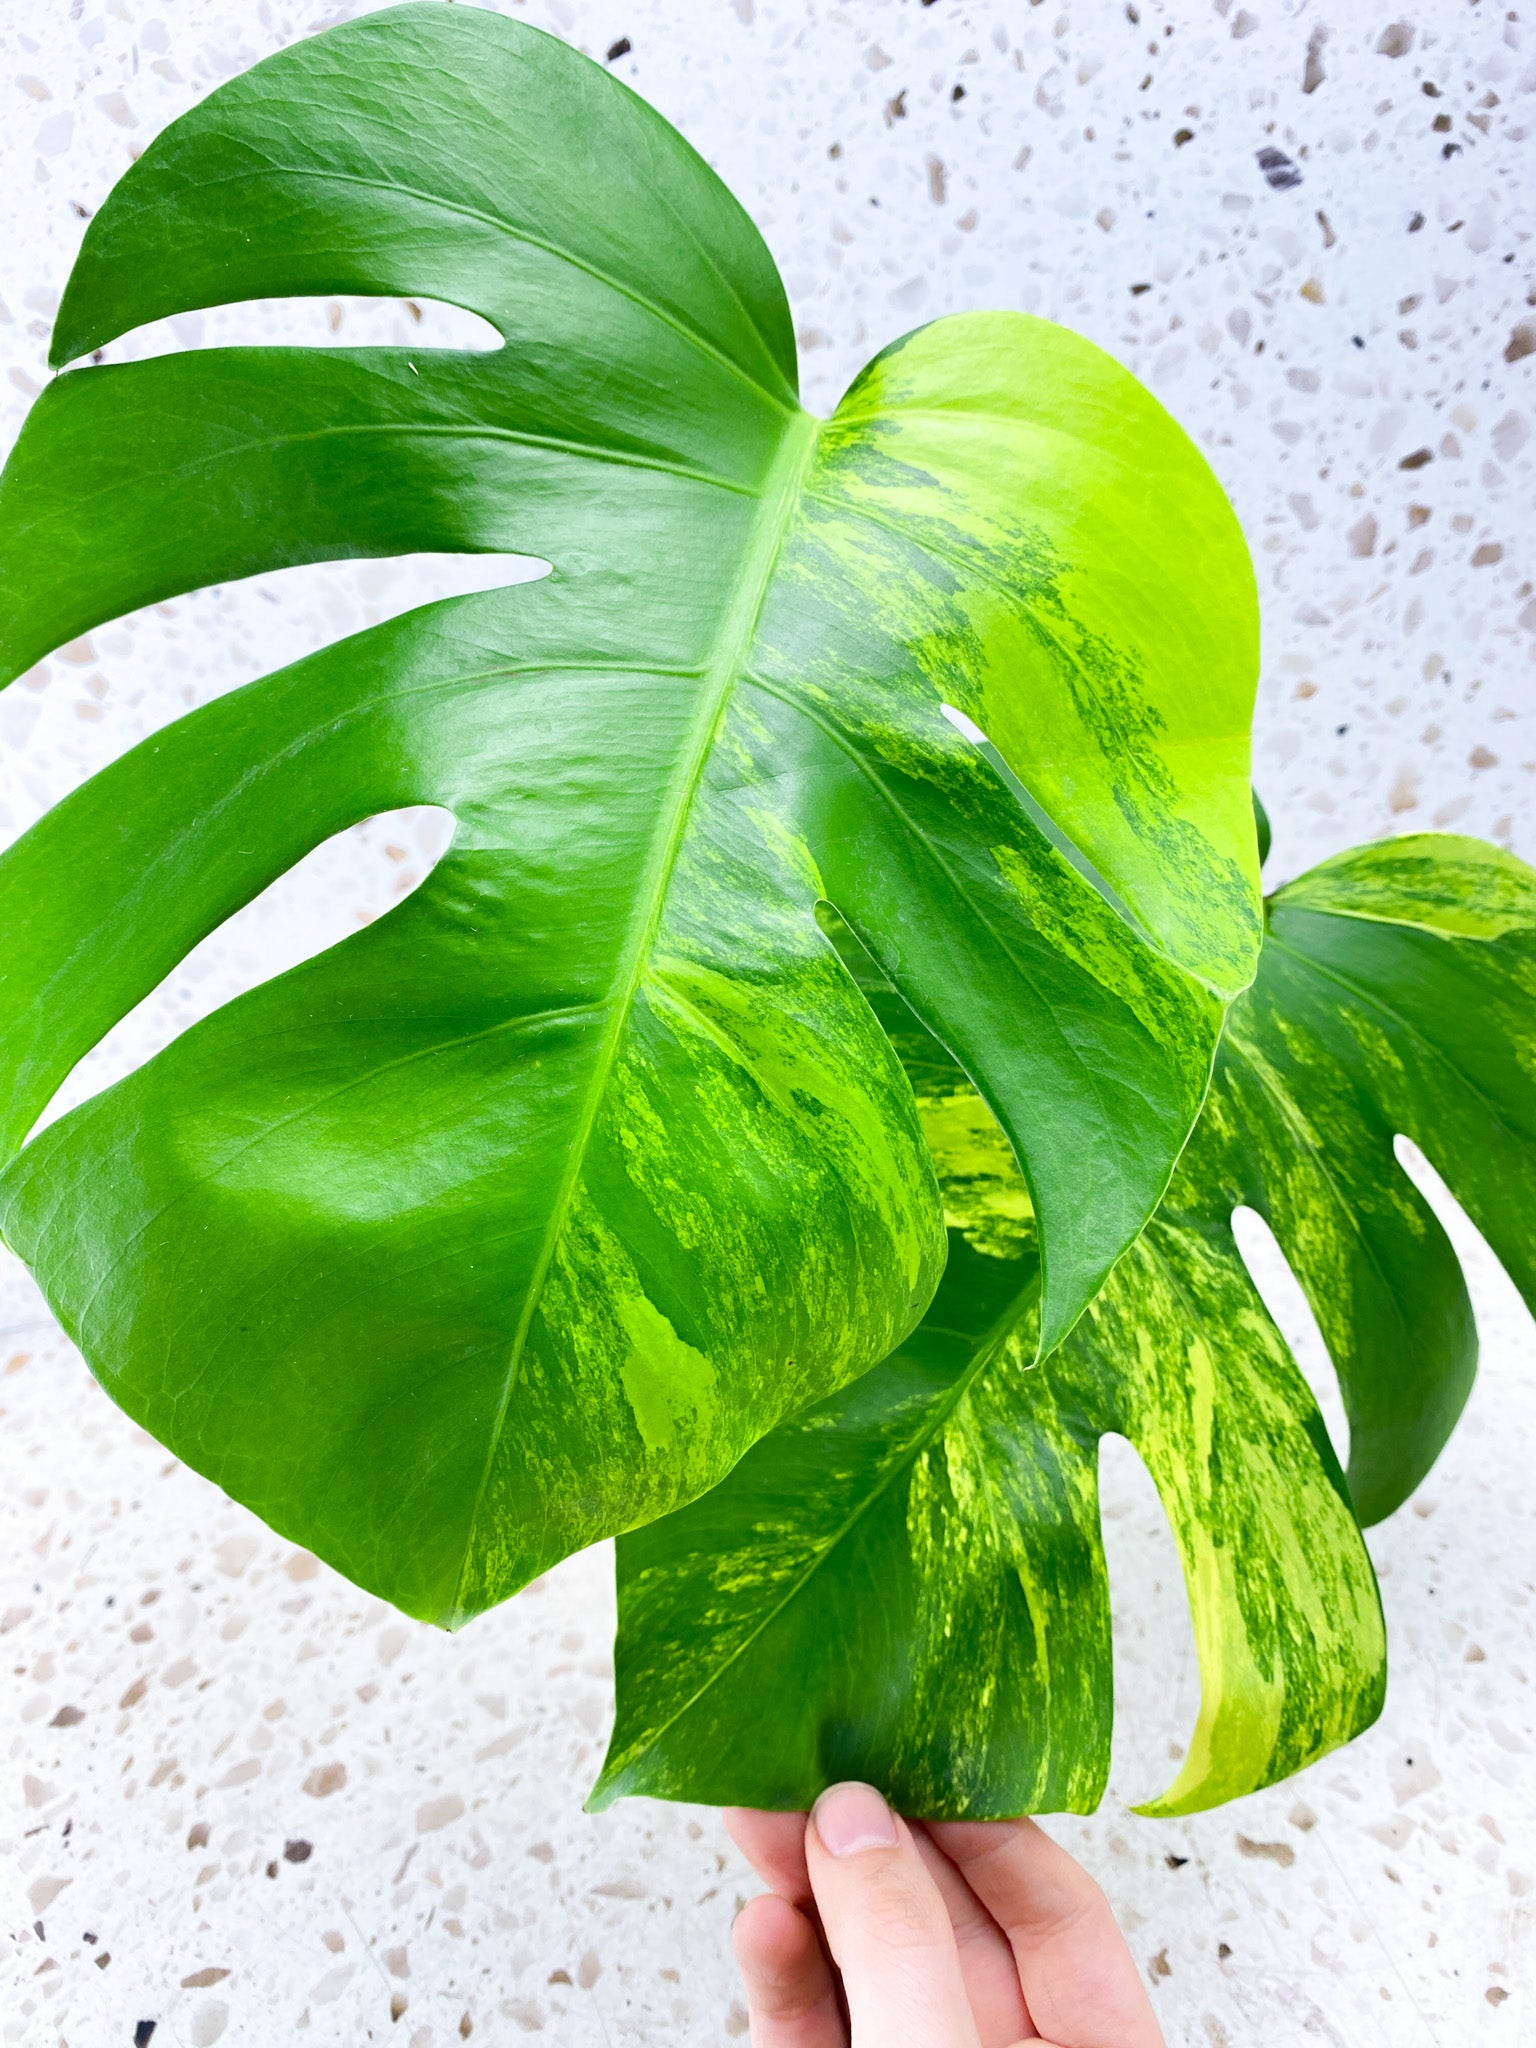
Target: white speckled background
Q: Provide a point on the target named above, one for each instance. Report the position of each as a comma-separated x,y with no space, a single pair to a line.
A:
244,1802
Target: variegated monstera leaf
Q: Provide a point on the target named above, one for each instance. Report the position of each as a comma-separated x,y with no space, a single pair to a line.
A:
516,1218
906,1583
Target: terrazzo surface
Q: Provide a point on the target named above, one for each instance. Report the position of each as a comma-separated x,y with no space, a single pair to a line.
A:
239,1801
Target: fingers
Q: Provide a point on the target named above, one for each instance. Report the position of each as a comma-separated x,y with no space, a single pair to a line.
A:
790,1994
1079,1982
774,1845
886,1925
987,1967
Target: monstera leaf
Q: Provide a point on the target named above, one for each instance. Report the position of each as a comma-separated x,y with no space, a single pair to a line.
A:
906,1582
518,1217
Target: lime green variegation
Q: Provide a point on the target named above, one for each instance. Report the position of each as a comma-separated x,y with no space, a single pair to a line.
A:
518,1217
1397,993
906,1583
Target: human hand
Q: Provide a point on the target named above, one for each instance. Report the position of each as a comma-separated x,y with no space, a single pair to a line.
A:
884,1933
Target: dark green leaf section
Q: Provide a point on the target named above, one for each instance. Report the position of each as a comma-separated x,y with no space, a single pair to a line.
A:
470,160
906,1582
516,1218
133,482
1396,994
326,1242
862,1596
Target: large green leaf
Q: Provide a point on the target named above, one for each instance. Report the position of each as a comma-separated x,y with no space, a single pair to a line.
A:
515,1219
906,1582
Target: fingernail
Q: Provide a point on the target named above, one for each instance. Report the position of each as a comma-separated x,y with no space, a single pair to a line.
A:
853,1817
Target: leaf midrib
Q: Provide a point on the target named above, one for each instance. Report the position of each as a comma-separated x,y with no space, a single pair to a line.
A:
986,1349
727,663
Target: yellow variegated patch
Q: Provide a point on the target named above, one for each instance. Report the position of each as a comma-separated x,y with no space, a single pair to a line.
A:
942,1621
515,1219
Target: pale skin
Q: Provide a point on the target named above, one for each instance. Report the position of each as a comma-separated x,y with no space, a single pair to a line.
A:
879,1932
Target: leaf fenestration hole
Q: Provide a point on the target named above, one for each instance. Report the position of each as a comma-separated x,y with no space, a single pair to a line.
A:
1044,823
339,322
91,701
967,727
1156,1666
1281,1293
1496,1302
338,887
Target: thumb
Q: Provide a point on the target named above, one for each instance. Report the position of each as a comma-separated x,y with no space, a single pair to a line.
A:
886,1925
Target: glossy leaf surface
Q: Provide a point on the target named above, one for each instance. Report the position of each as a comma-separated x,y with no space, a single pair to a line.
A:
516,1218
906,1583
1397,994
